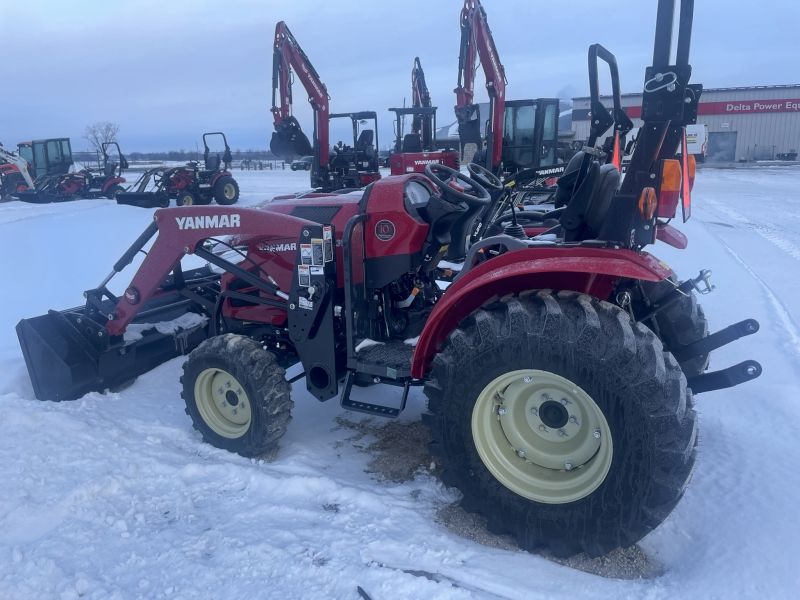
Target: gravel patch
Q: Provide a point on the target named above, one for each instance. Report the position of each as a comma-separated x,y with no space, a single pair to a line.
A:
399,452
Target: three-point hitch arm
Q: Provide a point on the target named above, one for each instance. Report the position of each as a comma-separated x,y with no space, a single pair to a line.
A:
288,139
477,41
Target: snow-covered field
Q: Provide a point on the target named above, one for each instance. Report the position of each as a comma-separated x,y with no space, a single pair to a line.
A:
115,496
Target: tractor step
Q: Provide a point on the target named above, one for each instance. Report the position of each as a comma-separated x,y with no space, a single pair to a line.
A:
366,407
725,378
716,340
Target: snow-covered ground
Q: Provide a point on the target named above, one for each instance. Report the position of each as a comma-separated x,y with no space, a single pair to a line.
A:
116,496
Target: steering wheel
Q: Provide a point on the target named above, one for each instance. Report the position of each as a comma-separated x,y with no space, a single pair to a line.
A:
474,194
485,177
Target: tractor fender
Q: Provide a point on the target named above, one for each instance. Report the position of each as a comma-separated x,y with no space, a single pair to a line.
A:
218,175
592,271
113,181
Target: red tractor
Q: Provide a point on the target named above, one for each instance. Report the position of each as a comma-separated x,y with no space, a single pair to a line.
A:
560,369
188,184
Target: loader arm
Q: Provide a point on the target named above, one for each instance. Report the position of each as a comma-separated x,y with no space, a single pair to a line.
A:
182,231
288,57
477,41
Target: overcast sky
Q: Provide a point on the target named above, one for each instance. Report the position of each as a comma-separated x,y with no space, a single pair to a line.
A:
168,70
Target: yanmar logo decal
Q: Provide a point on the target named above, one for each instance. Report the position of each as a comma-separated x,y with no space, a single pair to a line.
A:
277,247
432,161
312,80
208,222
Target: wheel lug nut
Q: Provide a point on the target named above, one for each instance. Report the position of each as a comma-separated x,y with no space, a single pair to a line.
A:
521,453
545,397
542,428
502,410
561,432
574,420
528,379
534,411
564,401
568,465
597,433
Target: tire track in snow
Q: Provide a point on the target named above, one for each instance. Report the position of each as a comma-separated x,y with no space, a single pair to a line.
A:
764,231
781,311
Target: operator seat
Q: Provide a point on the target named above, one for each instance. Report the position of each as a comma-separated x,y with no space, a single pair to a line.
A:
587,208
364,143
111,168
213,162
412,143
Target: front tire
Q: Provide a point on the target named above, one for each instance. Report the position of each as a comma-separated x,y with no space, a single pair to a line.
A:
237,395
226,191
615,378
112,192
185,199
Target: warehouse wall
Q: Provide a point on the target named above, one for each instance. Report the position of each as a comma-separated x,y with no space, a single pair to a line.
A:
757,133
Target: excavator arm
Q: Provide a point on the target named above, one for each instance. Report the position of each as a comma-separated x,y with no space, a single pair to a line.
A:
288,139
421,98
477,42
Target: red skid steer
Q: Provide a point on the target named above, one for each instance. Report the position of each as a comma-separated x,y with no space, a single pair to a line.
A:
560,370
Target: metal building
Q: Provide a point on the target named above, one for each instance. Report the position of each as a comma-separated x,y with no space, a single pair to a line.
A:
744,123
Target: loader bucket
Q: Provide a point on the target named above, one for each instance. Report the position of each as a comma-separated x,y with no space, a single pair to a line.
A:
69,354
288,140
143,199
35,197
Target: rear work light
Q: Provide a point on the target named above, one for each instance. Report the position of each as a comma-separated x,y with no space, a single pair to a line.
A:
669,190
687,180
648,202
691,164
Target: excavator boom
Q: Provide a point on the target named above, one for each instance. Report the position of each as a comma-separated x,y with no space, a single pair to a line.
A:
477,41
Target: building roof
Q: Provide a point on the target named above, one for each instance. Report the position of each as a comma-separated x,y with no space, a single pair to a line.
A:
725,89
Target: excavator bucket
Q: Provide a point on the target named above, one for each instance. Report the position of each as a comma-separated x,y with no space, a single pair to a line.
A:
470,133
288,140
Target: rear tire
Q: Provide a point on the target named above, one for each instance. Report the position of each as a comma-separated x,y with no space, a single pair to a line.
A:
261,409
226,191
678,325
617,367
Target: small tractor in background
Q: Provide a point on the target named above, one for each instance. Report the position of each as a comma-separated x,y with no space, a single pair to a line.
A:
340,167
415,150
561,364
188,184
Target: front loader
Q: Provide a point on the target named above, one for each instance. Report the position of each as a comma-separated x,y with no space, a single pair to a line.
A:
560,365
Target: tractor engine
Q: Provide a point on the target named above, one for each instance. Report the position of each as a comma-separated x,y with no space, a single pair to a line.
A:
404,306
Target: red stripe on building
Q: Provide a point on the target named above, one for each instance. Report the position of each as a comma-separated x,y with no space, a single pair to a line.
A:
738,107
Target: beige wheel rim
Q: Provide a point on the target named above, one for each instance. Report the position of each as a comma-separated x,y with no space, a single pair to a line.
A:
187,200
229,191
222,402
542,436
